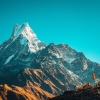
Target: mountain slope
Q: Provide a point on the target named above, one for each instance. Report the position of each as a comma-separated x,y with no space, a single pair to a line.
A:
43,79
19,93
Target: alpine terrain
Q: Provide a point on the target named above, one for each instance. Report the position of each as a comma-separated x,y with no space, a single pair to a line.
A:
33,70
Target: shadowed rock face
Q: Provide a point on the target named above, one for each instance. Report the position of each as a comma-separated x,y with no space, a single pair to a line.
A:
30,64
86,94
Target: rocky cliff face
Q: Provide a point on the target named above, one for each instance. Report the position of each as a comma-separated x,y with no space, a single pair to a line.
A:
26,61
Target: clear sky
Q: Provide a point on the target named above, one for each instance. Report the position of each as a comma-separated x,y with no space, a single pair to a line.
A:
72,22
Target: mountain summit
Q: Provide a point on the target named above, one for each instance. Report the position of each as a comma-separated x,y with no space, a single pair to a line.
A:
40,69
27,37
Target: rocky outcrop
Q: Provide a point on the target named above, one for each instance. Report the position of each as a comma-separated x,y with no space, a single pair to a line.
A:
92,93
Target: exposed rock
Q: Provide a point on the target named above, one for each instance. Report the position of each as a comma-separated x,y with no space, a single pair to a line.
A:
19,93
92,93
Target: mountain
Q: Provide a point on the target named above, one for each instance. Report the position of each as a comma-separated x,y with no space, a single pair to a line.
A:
17,52
49,70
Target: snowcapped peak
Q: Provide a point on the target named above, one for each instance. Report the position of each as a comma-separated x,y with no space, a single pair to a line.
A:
23,30
19,28
26,36
24,24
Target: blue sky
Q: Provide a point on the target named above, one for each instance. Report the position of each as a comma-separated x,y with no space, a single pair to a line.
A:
72,22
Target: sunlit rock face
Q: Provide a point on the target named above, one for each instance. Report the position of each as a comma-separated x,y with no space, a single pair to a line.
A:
27,62
19,93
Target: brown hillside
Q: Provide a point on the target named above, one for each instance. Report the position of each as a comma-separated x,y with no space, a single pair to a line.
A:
18,93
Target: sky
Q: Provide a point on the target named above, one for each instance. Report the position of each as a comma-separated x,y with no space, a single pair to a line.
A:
72,22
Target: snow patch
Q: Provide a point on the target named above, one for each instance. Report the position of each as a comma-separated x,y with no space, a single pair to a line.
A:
0,48
8,60
67,55
7,46
69,59
85,66
23,41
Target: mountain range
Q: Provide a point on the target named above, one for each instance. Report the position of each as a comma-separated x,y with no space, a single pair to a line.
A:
33,70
